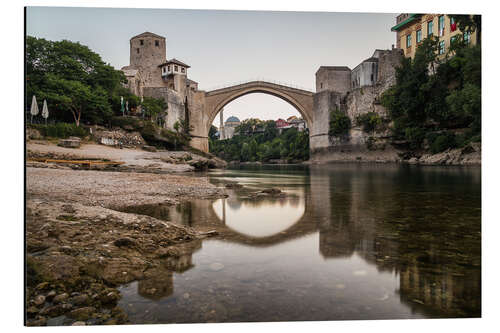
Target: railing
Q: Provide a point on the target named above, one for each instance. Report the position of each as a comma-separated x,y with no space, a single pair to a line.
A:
260,79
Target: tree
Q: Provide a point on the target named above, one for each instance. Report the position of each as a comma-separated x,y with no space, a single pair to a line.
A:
469,23
436,94
77,84
76,97
339,123
211,133
154,108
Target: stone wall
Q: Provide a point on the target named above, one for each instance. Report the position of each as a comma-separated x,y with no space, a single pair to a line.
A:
323,103
175,101
387,62
335,78
147,57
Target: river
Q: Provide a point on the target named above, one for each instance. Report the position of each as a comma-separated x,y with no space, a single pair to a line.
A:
347,241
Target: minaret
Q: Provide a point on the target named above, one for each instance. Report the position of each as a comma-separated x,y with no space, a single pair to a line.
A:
221,127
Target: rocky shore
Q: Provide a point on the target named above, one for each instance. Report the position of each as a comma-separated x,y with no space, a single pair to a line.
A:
80,247
469,155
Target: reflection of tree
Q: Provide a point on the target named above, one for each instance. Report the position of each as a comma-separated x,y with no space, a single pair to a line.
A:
389,217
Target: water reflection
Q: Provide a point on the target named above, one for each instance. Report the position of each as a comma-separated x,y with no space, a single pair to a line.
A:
264,219
349,242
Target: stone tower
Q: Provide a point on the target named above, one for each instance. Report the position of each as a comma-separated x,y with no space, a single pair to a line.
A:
147,52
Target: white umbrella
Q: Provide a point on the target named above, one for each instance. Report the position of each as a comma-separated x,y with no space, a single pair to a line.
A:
45,111
34,108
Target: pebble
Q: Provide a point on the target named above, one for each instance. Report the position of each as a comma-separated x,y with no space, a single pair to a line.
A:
39,300
78,323
359,273
186,295
51,295
60,298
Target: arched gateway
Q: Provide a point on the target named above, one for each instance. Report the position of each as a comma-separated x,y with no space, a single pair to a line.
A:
215,100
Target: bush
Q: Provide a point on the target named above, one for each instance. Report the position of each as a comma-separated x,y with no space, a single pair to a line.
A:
61,130
339,123
443,142
415,137
369,121
370,143
123,122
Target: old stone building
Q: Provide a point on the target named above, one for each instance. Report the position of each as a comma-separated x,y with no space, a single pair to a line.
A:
355,93
150,74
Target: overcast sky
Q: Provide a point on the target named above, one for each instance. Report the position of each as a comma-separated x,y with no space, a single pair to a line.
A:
223,47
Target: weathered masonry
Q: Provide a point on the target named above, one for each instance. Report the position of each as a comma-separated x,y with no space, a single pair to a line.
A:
151,74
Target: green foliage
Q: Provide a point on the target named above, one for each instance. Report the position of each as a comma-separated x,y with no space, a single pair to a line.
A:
469,23
211,132
369,121
61,130
443,142
263,144
127,123
339,123
436,94
154,109
177,140
415,137
76,83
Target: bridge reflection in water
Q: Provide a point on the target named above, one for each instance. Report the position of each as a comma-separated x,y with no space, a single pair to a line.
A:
379,222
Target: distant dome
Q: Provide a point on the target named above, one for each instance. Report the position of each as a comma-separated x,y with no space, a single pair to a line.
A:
233,119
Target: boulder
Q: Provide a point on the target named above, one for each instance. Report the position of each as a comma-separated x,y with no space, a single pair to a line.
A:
70,143
149,148
82,313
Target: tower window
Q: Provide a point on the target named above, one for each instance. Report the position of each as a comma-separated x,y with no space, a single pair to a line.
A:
321,85
168,68
142,41
157,43
182,69
176,68
137,50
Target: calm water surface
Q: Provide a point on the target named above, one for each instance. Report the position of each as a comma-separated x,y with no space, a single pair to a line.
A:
347,241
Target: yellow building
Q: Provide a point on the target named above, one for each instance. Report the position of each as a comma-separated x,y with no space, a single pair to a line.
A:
412,29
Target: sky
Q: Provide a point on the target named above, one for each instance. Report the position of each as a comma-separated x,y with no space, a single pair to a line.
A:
224,47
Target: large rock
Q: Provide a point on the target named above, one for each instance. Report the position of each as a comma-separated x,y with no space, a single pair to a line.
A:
70,142
82,313
34,134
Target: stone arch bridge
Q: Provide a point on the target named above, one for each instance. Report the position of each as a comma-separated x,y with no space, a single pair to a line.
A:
209,103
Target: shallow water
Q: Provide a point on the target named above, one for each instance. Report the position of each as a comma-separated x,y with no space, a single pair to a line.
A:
348,241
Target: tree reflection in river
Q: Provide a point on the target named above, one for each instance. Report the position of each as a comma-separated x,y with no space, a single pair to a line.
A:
420,225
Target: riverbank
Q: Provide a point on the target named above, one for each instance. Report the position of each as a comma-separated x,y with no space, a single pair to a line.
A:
131,159
79,247
469,155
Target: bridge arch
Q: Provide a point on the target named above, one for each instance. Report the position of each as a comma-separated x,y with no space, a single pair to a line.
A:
282,92
215,100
